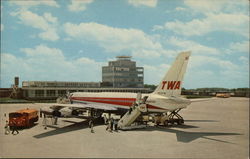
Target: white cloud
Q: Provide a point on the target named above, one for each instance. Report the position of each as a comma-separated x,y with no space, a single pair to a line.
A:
198,61
201,73
245,63
116,39
45,63
244,59
180,9
240,47
205,71
42,50
154,74
2,26
146,53
223,15
31,3
148,3
236,23
32,19
49,34
77,5
194,47
217,7
205,6
50,18
47,23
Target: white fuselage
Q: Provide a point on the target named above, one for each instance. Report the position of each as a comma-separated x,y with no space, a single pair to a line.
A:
155,102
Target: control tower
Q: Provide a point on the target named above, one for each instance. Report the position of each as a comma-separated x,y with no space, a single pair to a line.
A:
122,73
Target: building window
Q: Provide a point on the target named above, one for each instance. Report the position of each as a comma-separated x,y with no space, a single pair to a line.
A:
51,93
61,92
39,93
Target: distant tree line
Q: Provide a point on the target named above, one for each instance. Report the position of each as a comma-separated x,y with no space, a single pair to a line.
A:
239,92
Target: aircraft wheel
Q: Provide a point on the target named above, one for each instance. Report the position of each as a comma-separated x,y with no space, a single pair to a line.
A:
56,113
180,121
166,123
172,122
74,112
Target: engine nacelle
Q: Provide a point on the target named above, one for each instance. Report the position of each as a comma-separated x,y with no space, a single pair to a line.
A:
67,112
49,111
46,111
64,112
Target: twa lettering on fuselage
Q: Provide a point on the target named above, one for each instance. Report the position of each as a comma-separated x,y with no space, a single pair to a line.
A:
171,85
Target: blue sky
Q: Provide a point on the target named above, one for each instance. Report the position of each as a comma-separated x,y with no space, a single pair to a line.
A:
68,40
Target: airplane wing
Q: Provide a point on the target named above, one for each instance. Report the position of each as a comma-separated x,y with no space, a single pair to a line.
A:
88,105
82,105
201,99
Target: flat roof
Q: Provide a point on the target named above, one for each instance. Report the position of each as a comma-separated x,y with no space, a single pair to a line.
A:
66,88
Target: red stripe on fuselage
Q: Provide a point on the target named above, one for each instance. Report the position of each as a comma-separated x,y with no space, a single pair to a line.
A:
88,98
123,101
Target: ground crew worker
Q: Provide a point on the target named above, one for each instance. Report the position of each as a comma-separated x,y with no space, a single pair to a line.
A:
91,126
44,121
7,128
14,127
54,121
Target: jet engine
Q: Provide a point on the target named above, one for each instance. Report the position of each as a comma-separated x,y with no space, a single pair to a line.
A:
67,112
46,111
64,112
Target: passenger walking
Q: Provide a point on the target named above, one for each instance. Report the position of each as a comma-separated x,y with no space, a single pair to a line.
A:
130,110
14,127
105,119
111,124
7,128
107,125
91,126
115,125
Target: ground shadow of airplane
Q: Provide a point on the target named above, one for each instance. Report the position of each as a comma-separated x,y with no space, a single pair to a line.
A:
186,137
182,136
73,127
201,121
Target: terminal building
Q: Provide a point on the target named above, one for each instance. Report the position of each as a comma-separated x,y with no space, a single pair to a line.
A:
52,89
122,73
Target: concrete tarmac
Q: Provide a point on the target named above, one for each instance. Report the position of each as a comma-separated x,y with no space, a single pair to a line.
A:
218,128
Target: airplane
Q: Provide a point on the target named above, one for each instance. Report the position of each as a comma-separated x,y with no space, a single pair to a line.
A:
166,99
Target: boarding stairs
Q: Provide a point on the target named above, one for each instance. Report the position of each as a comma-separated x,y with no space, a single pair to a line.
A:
131,116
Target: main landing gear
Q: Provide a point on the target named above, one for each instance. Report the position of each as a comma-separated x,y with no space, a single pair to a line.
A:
173,118
169,119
